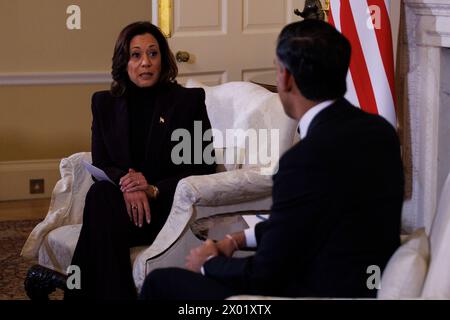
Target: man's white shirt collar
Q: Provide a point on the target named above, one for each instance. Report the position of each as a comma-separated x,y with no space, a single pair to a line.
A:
308,117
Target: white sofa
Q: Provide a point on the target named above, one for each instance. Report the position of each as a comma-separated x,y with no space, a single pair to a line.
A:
237,187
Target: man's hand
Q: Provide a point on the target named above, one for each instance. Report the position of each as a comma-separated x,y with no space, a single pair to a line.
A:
199,255
226,247
231,243
137,207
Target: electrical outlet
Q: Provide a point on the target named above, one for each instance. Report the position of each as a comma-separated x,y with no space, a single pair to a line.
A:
37,186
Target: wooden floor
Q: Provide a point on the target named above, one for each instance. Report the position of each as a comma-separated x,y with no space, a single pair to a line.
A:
24,209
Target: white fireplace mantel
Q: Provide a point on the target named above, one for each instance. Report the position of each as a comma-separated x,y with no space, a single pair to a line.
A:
426,34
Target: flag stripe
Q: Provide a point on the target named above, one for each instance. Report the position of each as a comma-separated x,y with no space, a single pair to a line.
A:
335,8
374,62
387,4
358,66
330,18
335,20
370,82
351,91
384,38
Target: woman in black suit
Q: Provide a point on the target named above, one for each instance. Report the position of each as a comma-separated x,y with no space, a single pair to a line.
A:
131,141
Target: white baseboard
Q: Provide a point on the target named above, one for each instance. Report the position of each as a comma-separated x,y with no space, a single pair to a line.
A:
15,178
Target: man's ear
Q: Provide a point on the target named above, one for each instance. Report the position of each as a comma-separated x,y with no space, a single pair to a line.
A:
286,79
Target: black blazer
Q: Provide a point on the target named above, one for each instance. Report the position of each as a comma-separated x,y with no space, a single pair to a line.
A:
337,200
175,107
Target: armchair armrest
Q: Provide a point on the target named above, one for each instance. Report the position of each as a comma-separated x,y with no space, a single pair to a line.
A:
225,188
67,203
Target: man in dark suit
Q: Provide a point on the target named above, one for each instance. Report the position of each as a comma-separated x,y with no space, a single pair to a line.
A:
337,196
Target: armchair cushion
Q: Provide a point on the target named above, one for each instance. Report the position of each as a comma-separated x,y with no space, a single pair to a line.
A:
437,283
247,106
405,272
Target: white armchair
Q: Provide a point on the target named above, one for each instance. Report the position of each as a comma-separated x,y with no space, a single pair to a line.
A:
420,268
236,187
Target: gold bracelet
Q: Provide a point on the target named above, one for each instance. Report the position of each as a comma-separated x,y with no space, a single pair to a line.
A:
155,192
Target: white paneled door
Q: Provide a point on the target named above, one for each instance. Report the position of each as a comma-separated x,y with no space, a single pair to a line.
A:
228,40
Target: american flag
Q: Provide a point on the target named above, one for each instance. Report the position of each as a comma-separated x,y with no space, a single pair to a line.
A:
370,82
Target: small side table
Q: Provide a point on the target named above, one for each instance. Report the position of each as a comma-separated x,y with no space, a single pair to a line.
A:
266,80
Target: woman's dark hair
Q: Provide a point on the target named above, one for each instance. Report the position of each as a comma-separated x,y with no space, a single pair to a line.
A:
169,69
318,57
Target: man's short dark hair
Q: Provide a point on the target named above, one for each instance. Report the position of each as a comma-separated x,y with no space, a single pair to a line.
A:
318,57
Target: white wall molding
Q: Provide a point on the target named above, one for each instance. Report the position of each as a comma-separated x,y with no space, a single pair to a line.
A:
433,21
54,78
430,7
426,34
15,178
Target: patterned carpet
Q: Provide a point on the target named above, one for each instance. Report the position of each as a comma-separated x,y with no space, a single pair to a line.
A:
13,267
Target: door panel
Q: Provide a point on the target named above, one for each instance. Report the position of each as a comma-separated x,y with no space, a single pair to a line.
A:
228,40
263,16
207,21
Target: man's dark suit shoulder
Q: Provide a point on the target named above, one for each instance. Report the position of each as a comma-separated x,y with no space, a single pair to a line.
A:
342,128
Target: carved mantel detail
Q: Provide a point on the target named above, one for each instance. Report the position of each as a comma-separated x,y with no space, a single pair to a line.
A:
426,31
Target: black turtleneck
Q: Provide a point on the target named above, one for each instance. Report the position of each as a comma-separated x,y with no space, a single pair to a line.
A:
141,103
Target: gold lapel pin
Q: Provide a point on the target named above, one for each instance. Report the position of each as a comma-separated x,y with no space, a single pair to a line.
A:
161,120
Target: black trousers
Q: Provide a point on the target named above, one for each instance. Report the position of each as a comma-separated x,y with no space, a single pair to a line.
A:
103,248
181,284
